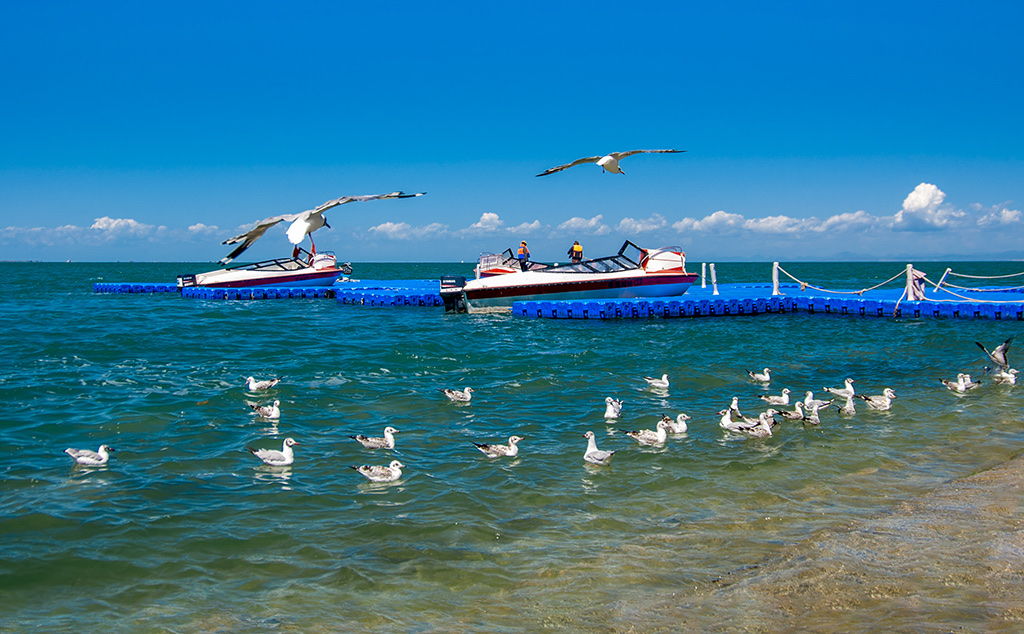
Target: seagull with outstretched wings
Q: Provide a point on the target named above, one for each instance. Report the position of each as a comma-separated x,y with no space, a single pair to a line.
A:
609,162
303,224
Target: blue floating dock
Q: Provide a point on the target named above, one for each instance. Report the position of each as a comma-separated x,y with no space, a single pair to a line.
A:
390,293
361,292
121,287
757,299
258,292
732,300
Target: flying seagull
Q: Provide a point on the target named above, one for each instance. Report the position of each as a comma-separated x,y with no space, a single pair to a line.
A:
609,162
303,224
998,355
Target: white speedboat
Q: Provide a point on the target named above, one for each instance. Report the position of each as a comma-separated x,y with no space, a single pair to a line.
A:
303,269
632,272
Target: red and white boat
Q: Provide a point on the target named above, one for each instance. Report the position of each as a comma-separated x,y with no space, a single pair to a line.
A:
632,272
301,270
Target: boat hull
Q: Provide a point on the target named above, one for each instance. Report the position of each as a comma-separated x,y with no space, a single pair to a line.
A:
284,279
481,297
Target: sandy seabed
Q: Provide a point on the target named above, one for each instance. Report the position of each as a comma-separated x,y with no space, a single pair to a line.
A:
952,560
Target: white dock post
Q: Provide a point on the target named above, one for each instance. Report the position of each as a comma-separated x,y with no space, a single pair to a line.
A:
703,274
941,280
714,280
775,278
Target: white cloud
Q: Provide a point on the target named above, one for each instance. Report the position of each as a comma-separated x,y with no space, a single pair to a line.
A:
858,220
489,223
998,215
923,210
102,231
405,231
778,224
592,226
631,226
526,228
719,221
203,230
112,228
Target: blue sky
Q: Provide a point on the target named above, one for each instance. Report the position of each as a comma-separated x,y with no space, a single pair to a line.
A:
143,131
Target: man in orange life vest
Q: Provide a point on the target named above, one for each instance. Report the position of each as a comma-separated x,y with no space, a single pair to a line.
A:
575,252
523,255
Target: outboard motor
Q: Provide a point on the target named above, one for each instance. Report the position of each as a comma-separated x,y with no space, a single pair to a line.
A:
451,293
185,281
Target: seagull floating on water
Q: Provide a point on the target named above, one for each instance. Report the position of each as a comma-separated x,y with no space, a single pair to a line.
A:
777,400
1006,377
376,473
813,417
89,458
729,424
797,413
660,384
459,396
842,392
849,409
608,162
303,224
612,407
761,377
763,428
272,411
881,401
748,425
998,356
276,458
677,426
496,451
651,436
593,454
960,385
257,386
810,401
387,442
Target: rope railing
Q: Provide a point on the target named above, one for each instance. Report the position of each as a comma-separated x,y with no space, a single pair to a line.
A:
1006,289
944,286
944,289
984,277
914,288
806,285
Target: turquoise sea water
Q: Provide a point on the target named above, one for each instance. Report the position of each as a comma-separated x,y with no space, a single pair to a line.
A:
185,531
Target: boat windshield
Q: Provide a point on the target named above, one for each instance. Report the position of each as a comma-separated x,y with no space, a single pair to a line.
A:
506,258
283,264
628,258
